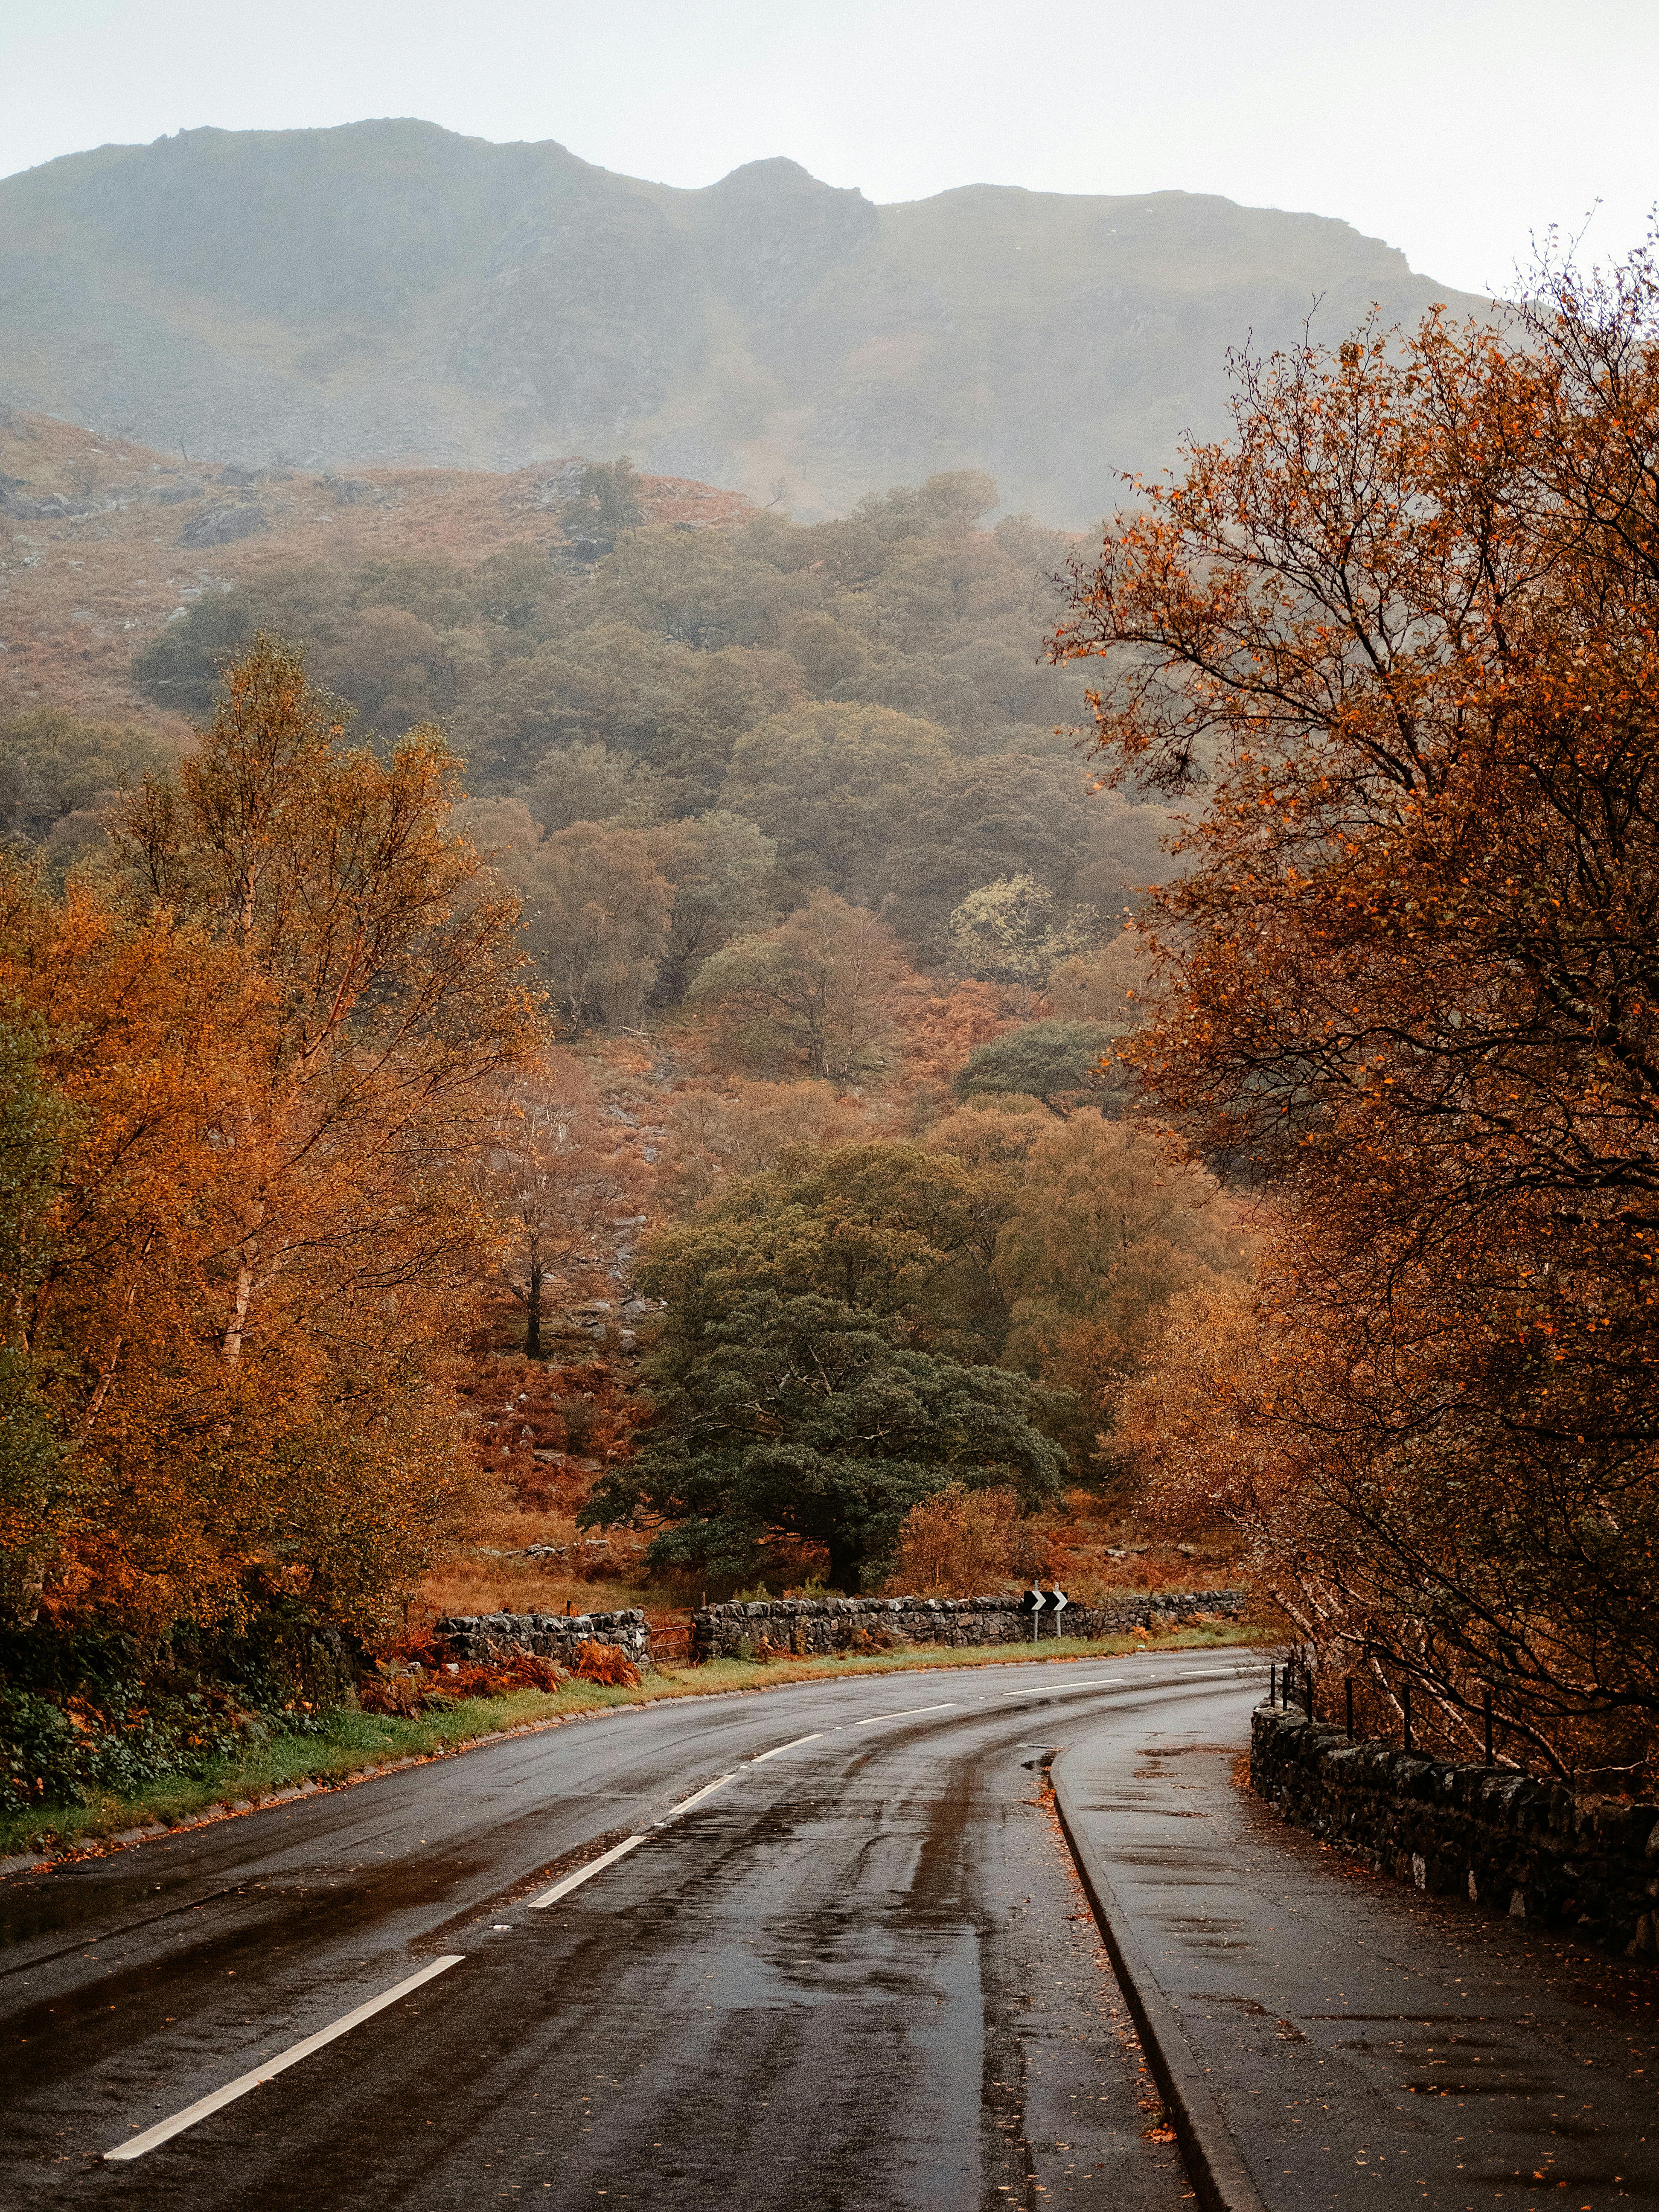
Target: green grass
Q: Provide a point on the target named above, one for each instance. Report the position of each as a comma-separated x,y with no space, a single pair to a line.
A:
356,1743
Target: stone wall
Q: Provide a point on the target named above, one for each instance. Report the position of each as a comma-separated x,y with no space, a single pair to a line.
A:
1529,1848
808,1626
482,1635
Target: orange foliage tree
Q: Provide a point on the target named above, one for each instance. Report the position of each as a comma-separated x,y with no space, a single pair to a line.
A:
277,1027
1403,629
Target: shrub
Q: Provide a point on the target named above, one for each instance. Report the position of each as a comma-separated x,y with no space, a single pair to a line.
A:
962,1542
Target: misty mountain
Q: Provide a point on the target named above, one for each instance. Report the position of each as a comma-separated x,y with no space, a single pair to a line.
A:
389,292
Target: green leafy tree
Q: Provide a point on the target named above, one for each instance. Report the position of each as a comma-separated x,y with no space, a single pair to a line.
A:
183,668
837,787
724,871
810,1420
596,912
54,766
605,499
1004,815
893,1230
1126,854
579,782
1008,932
1060,1063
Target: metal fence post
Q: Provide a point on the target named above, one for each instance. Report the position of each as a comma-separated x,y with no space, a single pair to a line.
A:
1272,1685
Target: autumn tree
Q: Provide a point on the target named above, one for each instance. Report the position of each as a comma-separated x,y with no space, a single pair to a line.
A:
818,993
275,1039
742,1127
1399,635
1109,983
941,1023
138,1030
558,1173
1110,1221
596,920
962,1542
35,1126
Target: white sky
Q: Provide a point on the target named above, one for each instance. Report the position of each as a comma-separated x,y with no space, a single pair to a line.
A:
1452,128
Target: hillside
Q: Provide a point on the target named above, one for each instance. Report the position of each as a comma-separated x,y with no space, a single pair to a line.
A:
389,294
103,541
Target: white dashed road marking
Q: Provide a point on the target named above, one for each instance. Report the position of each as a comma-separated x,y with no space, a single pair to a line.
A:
164,2130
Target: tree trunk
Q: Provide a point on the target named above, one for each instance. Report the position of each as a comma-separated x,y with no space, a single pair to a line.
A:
844,1564
532,1327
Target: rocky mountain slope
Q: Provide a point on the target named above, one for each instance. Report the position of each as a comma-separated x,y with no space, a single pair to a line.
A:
390,294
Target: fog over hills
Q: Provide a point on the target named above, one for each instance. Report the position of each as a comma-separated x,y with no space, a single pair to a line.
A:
390,293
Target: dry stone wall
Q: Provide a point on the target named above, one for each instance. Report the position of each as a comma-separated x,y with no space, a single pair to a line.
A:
1529,1848
480,1637
811,1626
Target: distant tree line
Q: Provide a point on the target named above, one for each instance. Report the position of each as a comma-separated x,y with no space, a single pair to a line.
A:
858,707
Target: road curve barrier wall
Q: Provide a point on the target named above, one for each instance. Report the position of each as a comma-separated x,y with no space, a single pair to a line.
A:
1532,1849
808,1626
481,1637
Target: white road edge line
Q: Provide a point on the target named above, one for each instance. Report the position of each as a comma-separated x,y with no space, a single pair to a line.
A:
906,1713
1071,1689
761,1758
695,1798
584,1873
199,2111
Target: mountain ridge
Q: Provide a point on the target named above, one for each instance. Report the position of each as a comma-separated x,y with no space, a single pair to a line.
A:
391,294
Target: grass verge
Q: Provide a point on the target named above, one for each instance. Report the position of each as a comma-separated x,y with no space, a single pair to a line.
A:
351,1745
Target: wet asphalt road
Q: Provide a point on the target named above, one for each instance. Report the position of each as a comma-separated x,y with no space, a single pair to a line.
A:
860,1974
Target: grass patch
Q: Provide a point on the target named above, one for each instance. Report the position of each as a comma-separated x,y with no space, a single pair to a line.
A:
350,1743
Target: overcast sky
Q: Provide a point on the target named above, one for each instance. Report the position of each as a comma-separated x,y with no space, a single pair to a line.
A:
1452,128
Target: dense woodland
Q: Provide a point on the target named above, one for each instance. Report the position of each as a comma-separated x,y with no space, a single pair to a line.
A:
533,940
668,1052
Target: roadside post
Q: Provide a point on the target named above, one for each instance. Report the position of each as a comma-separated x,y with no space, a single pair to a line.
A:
1059,1601
1032,1602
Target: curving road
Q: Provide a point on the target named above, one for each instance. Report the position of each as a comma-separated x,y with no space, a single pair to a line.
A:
859,1973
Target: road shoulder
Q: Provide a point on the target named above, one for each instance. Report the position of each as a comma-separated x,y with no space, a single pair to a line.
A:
1324,2030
